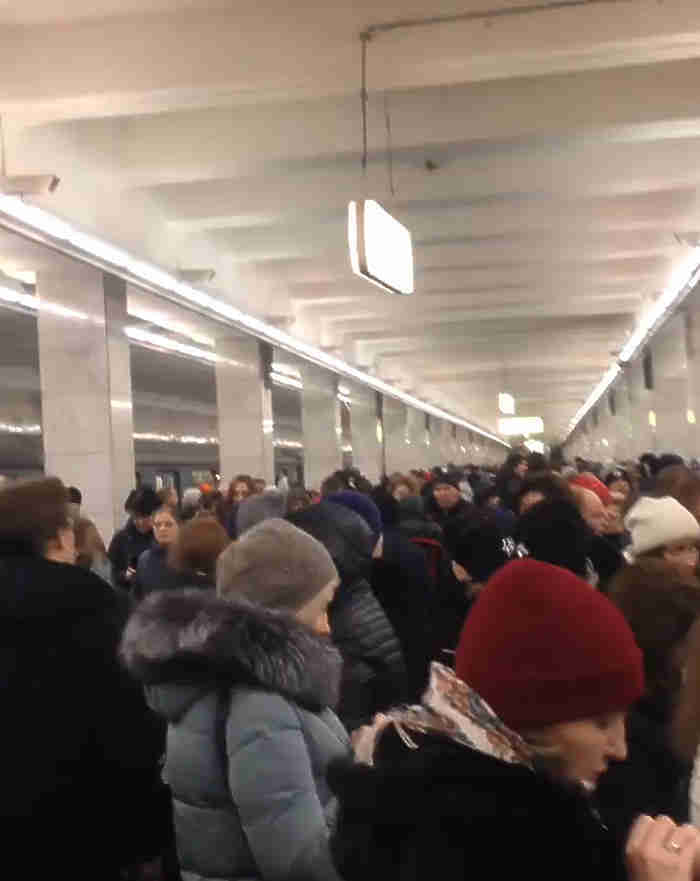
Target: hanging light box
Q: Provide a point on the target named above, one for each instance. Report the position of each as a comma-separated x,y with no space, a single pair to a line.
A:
381,249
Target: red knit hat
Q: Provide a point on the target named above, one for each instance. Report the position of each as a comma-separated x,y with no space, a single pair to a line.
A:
591,482
542,647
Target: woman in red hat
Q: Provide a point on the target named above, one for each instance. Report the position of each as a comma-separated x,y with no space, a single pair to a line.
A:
496,770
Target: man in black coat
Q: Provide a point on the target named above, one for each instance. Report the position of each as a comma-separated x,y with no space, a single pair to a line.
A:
79,763
129,543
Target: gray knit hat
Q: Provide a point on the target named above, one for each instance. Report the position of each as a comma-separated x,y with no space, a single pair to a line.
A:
275,565
255,509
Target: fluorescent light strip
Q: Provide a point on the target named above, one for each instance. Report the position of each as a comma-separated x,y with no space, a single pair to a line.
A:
683,280
289,381
9,428
166,323
36,220
164,342
597,393
174,438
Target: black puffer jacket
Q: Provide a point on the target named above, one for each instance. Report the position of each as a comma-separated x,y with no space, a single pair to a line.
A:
126,547
374,673
443,810
79,763
401,583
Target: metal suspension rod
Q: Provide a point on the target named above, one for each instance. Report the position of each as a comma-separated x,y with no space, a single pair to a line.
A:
483,15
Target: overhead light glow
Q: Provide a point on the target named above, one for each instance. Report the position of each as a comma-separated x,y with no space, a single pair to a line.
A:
685,276
286,370
36,222
164,342
288,444
512,425
381,249
10,428
288,381
652,418
170,324
535,446
595,395
18,297
174,438
691,417
506,404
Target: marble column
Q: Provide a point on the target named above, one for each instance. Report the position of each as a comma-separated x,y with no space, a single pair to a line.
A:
367,450
321,423
398,452
86,398
642,405
670,366
692,319
244,403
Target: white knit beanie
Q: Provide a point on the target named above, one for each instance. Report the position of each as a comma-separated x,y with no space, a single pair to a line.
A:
655,523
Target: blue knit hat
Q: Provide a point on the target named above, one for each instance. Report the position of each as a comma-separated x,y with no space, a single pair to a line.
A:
362,505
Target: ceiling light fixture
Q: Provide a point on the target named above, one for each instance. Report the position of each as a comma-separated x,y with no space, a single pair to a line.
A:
506,404
381,250
29,220
23,184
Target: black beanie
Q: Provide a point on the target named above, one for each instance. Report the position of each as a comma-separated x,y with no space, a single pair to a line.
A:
481,549
554,532
145,502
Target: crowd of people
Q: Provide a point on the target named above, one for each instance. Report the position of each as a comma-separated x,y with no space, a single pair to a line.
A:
454,668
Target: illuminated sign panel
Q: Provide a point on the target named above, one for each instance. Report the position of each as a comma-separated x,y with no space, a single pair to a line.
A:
381,249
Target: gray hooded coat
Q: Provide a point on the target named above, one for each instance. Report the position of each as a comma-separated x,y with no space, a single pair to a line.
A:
247,694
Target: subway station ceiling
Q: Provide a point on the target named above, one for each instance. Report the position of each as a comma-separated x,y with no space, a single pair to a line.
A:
545,162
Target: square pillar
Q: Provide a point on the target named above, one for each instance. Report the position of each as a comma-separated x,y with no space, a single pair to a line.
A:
367,442
321,424
85,373
244,406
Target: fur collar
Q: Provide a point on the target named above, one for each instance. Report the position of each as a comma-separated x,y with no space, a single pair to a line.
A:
192,636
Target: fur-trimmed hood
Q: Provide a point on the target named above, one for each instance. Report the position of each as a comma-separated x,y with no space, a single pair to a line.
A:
195,640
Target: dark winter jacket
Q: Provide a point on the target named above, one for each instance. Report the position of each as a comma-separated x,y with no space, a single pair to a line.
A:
652,780
246,692
454,521
153,573
374,672
126,547
80,748
445,810
401,584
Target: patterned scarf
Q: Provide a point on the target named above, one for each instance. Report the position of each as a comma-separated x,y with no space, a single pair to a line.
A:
452,709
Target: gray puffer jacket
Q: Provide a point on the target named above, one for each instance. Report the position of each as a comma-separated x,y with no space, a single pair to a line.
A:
246,692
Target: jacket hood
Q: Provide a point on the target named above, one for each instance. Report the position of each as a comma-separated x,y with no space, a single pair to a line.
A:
193,639
344,534
412,508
